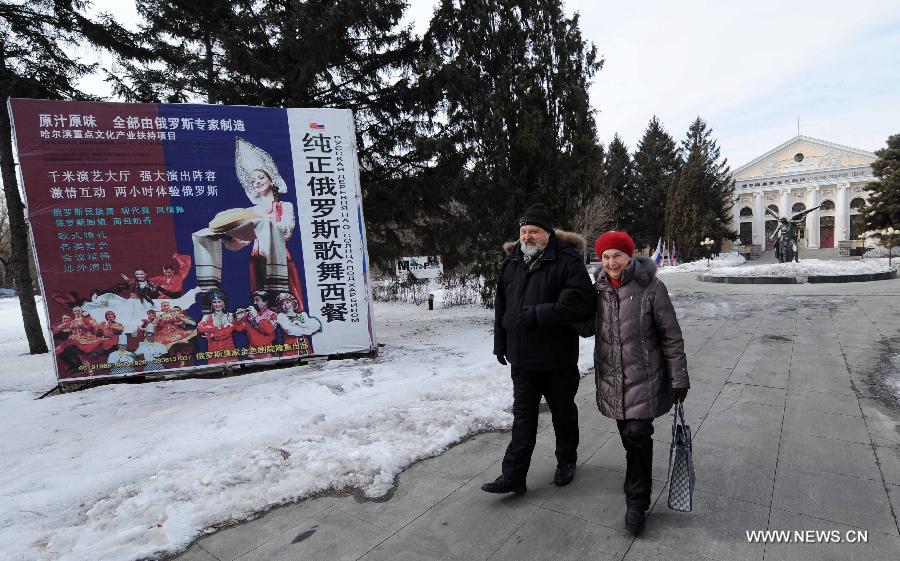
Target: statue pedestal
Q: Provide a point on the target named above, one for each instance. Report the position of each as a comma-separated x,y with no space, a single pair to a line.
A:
844,248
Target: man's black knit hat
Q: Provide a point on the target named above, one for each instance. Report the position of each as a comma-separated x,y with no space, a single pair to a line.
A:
537,215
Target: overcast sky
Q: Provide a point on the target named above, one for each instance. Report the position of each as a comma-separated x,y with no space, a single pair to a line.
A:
750,69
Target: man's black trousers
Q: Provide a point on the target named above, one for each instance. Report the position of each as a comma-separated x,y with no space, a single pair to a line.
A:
636,438
559,388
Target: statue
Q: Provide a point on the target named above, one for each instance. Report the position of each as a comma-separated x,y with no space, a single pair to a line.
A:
785,235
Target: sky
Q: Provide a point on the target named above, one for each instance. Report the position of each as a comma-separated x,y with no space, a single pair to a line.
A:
749,69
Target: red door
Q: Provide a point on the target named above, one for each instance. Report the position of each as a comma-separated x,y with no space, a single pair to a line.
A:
826,231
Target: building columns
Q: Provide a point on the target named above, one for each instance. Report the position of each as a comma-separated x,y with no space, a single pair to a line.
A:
785,204
842,214
759,220
736,216
812,219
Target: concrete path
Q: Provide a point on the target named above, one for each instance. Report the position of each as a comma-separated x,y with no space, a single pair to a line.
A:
789,434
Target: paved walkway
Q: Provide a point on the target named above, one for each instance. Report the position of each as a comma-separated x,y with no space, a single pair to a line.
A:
789,435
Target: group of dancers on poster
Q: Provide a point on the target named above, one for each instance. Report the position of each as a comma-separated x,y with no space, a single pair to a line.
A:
145,328
141,323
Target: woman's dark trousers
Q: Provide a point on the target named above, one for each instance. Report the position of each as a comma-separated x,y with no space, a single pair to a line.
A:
559,388
636,438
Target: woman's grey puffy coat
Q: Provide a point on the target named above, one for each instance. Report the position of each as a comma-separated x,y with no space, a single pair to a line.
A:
638,348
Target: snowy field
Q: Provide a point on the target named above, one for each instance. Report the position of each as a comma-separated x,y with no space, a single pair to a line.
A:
123,472
805,268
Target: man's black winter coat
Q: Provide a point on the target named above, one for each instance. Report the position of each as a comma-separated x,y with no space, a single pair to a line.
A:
561,292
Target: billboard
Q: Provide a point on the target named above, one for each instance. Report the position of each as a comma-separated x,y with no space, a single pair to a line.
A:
175,236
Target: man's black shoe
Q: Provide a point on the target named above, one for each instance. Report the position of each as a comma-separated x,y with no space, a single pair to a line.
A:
503,485
634,520
565,473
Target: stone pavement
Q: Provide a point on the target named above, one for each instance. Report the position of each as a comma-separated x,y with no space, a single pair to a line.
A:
789,434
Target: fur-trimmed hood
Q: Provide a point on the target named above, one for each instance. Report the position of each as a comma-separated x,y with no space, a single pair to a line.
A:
571,238
641,269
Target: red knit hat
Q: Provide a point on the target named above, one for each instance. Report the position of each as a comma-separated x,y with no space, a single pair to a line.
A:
614,240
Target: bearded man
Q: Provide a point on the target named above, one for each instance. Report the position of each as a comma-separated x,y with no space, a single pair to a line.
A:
544,289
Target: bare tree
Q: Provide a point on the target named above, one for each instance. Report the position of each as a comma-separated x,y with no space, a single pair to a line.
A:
596,215
5,246
34,63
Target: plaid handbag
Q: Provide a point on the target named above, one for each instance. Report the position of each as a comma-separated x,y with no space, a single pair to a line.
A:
681,464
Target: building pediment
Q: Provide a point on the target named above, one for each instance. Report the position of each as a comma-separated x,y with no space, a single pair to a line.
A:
802,155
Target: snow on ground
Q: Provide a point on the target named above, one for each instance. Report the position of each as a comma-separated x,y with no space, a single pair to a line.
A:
122,472
805,268
721,261
18,369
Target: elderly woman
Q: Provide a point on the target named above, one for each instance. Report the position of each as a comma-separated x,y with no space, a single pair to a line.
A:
639,361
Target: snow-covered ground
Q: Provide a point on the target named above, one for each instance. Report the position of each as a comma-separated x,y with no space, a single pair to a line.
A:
805,268
721,261
122,472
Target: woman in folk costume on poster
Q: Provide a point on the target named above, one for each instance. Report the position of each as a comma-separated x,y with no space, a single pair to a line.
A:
296,326
217,327
268,225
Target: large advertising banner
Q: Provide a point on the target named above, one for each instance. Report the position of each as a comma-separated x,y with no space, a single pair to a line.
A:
175,236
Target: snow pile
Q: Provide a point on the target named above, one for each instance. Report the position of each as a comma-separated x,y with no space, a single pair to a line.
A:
123,472
876,252
806,268
721,261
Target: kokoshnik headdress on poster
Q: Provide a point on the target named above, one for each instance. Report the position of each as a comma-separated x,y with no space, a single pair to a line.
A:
249,157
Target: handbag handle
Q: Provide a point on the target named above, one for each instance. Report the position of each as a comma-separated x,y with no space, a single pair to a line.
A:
677,412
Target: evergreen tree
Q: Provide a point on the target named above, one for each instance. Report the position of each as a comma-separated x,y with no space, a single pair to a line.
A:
188,39
685,221
618,185
34,63
509,122
349,54
655,163
883,208
700,200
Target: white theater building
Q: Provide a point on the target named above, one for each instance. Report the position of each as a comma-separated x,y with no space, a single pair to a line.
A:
803,173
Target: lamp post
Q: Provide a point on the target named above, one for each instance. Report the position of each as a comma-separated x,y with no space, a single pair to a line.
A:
707,247
889,232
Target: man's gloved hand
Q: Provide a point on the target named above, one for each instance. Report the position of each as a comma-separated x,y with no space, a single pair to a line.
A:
527,317
501,359
678,394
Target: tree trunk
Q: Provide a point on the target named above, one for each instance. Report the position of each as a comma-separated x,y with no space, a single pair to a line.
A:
19,241
210,68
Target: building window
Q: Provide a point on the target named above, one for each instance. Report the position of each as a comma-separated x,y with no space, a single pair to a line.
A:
827,205
798,157
746,212
798,207
856,204
773,208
